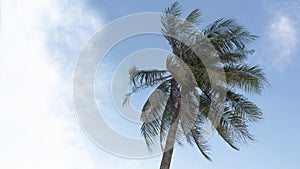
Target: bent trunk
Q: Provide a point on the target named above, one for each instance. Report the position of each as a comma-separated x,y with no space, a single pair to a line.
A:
168,151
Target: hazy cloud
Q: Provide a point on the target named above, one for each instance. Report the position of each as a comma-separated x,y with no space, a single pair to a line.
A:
284,40
37,122
40,42
282,32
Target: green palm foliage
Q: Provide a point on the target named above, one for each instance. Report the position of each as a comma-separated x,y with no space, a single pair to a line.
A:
186,93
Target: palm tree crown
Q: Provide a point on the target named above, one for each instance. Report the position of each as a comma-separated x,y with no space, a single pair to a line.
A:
205,80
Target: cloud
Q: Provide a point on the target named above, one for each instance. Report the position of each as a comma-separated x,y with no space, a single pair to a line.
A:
284,40
40,42
282,32
38,126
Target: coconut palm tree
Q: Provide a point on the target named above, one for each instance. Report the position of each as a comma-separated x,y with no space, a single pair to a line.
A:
205,82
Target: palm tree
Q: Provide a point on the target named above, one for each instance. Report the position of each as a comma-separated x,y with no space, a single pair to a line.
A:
205,83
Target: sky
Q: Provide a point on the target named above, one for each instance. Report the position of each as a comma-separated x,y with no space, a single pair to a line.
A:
41,43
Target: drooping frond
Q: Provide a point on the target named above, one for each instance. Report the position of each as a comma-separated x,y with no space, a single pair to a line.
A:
227,137
227,36
201,144
141,79
244,108
190,103
250,79
233,125
179,138
153,112
156,102
166,119
234,128
157,116
149,131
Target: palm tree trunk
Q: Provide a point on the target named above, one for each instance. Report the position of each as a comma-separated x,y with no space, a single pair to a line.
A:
168,152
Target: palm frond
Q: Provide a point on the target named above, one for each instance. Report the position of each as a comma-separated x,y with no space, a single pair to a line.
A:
227,36
170,18
180,71
250,79
194,16
153,113
190,103
166,119
234,129
156,102
234,57
179,137
227,137
204,109
150,131
201,144
174,9
243,108
141,79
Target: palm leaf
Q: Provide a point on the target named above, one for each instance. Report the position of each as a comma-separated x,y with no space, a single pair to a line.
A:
174,9
244,108
194,16
141,79
227,36
234,129
153,111
202,145
166,119
250,79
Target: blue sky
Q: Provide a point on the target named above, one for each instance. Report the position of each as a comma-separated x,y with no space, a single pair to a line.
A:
40,43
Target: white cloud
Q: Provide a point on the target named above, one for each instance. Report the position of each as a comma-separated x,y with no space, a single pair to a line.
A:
282,33
38,126
284,39
40,42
